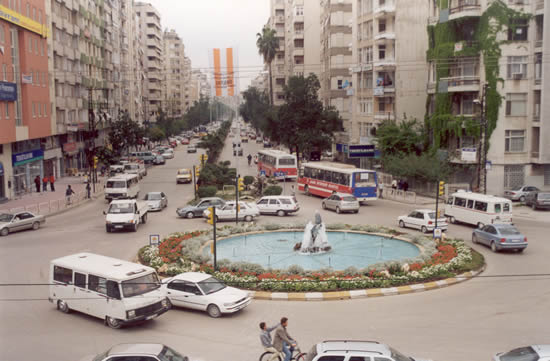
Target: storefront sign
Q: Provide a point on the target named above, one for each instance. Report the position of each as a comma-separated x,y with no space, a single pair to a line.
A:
26,79
360,151
69,147
378,91
8,91
27,157
23,21
468,155
1,169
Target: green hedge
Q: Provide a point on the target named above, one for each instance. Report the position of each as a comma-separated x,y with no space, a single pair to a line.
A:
207,191
273,191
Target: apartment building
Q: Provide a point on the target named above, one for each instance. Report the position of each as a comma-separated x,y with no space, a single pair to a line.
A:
188,102
202,83
336,56
151,37
519,146
277,21
389,72
27,148
174,63
261,82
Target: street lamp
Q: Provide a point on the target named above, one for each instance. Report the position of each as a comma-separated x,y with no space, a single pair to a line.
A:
482,159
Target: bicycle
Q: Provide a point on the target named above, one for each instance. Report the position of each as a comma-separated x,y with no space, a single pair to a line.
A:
297,355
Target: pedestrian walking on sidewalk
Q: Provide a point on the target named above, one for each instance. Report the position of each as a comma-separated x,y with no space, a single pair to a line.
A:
88,189
381,189
68,193
45,184
52,181
37,183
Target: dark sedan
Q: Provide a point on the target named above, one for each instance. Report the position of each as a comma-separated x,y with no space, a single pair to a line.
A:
500,237
192,211
538,200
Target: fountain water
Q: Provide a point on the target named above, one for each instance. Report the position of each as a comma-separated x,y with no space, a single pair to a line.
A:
315,238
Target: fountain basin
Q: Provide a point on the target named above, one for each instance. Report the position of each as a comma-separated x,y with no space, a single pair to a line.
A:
349,249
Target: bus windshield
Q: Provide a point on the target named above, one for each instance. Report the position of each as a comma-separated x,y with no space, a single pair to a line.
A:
140,285
364,179
286,161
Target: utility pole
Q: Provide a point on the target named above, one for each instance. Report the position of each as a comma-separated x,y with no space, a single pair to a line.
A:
482,165
237,198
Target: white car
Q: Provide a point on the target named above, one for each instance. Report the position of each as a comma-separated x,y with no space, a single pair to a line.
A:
200,291
156,201
168,154
533,352
422,219
247,212
279,205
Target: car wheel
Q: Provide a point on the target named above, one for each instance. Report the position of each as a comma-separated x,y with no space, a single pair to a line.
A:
480,225
494,247
401,224
534,206
323,205
217,219
306,190
452,220
213,311
474,239
144,218
113,322
134,228
189,215
248,218
338,210
281,213
4,232
63,306
423,229
35,225
108,228
522,199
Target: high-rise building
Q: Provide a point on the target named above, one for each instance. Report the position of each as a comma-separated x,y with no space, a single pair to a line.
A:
174,64
27,144
464,83
188,98
261,82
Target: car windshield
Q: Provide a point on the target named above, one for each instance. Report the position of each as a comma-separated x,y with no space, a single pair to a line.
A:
211,285
153,197
116,184
398,356
131,166
140,285
431,215
167,354
544,196
121,208
509,231
5,217
349,199
517,188
183,171
520,354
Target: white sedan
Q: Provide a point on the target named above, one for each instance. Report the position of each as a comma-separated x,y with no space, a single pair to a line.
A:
168,154
247,212
422,219
200,291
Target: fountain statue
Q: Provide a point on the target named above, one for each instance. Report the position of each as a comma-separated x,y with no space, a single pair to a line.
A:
315,238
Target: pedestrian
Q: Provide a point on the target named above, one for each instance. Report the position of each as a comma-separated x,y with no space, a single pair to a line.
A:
68,193
394,184
52,181
400,185
37,183
45,184
85,177
381,189
292,190
88,189
265,338
249,159
282,340
405,186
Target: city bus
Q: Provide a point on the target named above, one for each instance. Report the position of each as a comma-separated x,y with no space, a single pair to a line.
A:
278,164
324,178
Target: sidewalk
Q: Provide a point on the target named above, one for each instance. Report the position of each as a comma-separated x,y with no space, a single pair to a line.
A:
50,203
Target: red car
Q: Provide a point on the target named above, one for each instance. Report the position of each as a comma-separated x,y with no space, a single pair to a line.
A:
185,141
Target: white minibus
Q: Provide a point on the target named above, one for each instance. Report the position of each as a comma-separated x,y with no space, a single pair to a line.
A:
122,186
478,209
119,292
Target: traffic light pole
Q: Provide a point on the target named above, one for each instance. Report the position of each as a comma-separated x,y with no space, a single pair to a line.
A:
237,199
436,206
195,181
214,239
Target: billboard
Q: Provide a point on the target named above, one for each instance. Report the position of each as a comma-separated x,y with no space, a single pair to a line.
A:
224,65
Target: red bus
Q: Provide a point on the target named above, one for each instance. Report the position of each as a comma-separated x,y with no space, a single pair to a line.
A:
278,164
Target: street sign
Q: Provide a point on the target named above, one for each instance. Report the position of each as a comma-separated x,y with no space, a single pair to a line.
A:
468,154
362,150
488,165
262,173
437,233
279,174
154,239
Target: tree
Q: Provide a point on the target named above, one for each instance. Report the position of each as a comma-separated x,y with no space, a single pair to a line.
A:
255,108
156,134
394,138
268,44
125,133
303,123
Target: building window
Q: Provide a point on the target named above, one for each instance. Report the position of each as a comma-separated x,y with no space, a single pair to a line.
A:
381,52
381,26
299,10
514,176
7,110
2,34
516,104
33,110
30,43
39,110
517,67
518,30
340,81
5,72
368,55
514,141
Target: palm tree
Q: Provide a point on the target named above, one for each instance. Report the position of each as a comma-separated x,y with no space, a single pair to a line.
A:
268,44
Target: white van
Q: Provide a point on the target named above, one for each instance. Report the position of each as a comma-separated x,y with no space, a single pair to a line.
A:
119,292
122,186
478,209
135,168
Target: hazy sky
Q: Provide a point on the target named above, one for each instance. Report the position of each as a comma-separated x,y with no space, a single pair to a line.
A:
207,24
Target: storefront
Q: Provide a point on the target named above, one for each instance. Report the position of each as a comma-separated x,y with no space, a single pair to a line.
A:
70,158
26,166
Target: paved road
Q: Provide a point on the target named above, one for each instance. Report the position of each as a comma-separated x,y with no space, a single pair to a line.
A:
469,321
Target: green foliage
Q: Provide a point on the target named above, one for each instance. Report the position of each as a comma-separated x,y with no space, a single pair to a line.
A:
213,143
255,108
156,134
207,191
427,166
248,180
106,156
217,174
396,138
267,44
124,133
273,191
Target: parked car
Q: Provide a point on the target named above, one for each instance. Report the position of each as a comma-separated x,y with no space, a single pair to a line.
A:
526,353
200,291
184,176
279,205
422,219
184,141
159,159
135,168
499,237
355,350
168,154
191,149
520,193
267,144
259,140
138,351
156,201
244,139
228,212
252,136
13,222
197,210
341,202
538,200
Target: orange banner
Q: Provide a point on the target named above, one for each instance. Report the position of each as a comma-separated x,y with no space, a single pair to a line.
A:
230,72
217,72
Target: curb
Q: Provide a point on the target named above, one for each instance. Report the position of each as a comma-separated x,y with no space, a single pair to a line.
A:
365,293
67,209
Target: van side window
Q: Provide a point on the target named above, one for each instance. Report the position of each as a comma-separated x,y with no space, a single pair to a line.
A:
97,284
80,280
450,201
113,290
461,202
470,203
62,274
332,358
498,208
481,206
506,207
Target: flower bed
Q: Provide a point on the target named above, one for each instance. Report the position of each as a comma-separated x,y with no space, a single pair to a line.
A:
181,253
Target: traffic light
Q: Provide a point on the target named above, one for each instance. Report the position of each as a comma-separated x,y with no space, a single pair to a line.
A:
441,188
96,160
197,172
210,218
240,184
238,207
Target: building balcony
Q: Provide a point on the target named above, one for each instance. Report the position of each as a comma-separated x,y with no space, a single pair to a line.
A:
539,7
462,83
280,19
60,102
70,78
388,7
387,62
432,20
386,35
58,48
279,5
298,34
538,45
69,52
430,87
464,8
298,52
155,86
384,115
298,19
